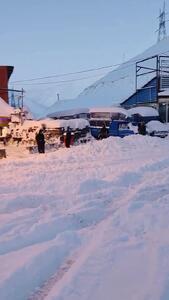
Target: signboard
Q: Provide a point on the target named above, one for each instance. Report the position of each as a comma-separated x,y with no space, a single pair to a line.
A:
4,121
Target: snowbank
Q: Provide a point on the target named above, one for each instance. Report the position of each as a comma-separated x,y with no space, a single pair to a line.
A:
87,222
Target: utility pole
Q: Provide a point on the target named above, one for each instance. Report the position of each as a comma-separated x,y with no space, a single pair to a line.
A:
162,27
22,94
58,97
12,100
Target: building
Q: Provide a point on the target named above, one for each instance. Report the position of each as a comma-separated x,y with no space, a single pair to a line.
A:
5,73
155,92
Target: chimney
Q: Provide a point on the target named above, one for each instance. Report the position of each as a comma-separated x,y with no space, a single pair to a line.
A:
5,73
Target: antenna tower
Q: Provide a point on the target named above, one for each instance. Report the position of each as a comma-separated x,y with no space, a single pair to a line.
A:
162,21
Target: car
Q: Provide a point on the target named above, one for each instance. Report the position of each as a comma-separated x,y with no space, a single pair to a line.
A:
157,129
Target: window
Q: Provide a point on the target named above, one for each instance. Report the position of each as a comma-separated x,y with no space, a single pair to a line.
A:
99,123
100,115
123,126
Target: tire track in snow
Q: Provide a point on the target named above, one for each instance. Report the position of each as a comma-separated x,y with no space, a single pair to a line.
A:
123,201
43,292
55,283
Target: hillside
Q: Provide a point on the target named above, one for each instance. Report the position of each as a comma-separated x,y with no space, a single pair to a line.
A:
116,86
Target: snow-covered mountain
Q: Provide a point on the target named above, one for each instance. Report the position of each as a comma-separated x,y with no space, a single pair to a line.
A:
37,110
116,86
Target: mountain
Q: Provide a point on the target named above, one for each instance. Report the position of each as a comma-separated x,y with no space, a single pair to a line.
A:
37,110
116,86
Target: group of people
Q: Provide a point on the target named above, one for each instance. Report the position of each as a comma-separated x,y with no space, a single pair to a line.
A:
40,139
67,136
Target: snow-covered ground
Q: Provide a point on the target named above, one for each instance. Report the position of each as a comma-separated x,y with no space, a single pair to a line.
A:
89,222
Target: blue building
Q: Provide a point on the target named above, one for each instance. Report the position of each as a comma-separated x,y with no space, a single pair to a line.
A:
155,92
147,95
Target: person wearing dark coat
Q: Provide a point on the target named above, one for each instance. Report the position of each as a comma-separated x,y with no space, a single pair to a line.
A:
103,132
142,128
68,137
40,139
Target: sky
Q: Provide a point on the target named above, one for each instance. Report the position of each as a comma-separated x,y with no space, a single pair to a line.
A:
44,38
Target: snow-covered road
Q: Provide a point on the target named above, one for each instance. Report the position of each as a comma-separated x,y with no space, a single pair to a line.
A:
90,222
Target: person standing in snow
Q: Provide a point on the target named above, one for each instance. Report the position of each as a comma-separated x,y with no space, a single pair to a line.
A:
68,137
142,128
103,132
40,139
5,134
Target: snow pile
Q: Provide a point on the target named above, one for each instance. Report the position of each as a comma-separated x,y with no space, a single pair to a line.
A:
5,109
156,126
144,111
50,123
110,109
89,222
60,123
164,93
70,112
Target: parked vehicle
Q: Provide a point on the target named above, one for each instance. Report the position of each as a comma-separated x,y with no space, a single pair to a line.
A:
80,129
156,128
115,128
53,131
114,118
144,114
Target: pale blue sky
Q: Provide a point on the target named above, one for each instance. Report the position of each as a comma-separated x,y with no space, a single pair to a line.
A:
42,38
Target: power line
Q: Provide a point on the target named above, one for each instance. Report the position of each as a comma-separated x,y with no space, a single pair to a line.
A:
66,74
62,81
72,73
123,66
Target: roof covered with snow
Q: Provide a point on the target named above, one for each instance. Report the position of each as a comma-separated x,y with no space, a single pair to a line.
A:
144,111
5,109
69,112
72,123
117,85
109,109
164,93
50,123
